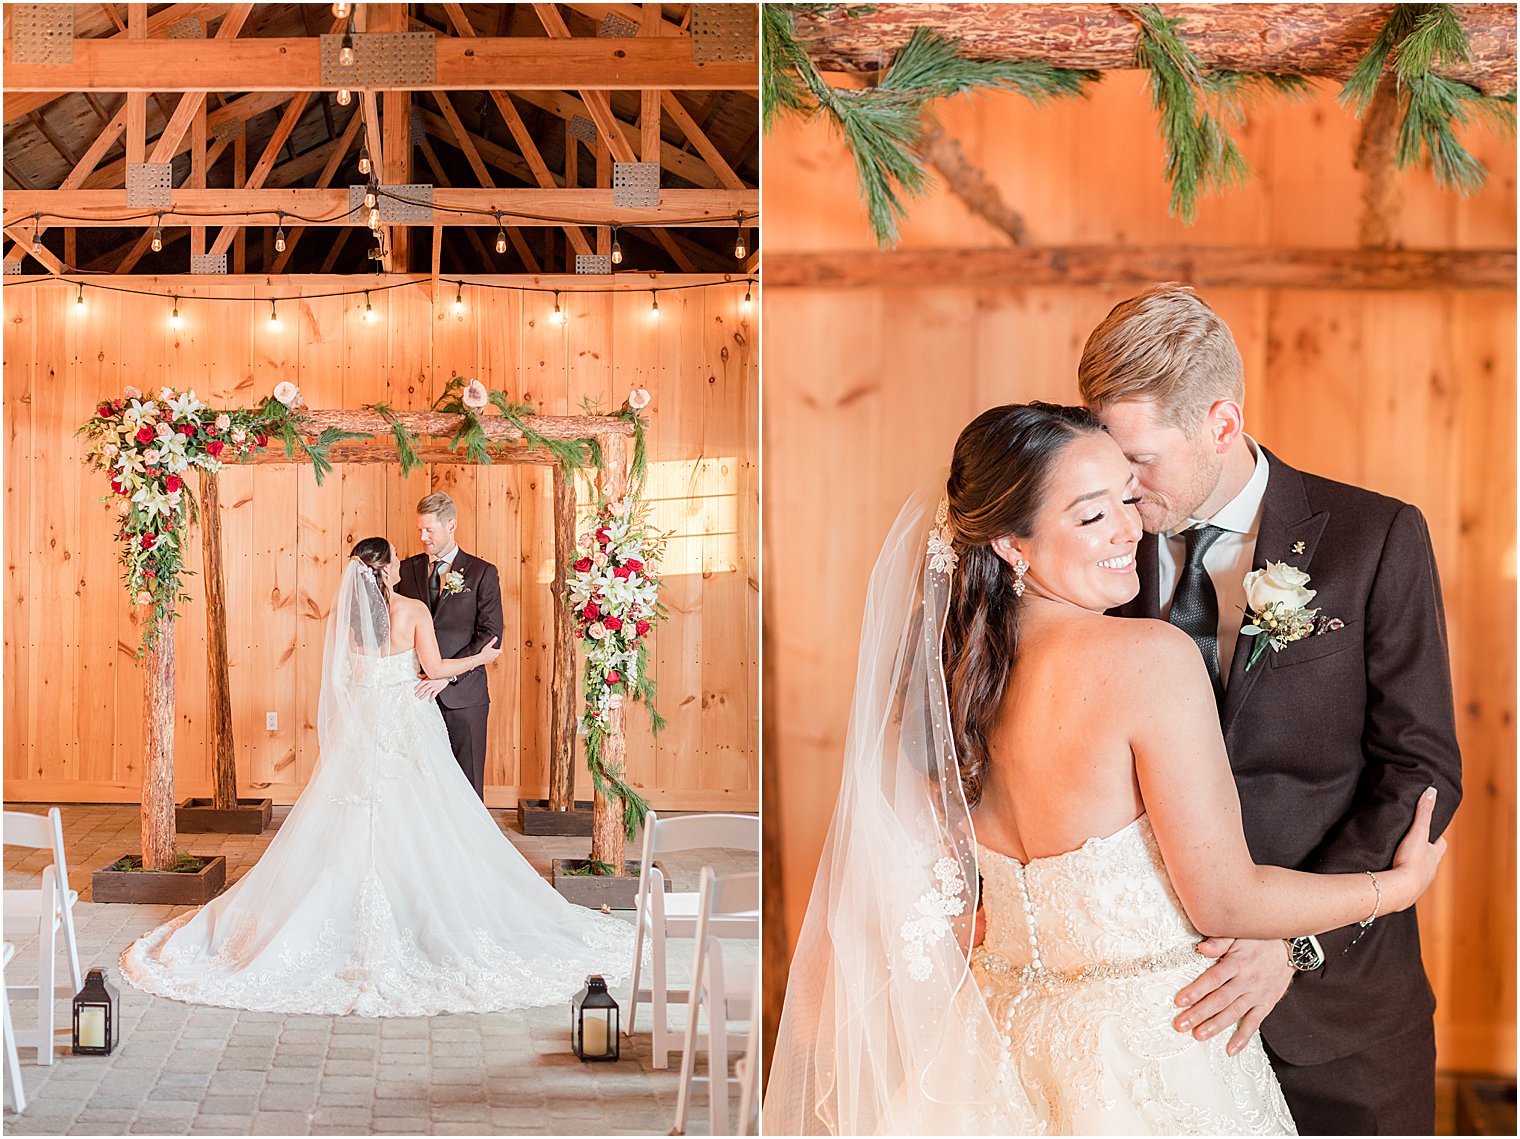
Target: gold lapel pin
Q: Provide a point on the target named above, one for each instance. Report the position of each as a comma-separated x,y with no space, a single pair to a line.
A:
1298,547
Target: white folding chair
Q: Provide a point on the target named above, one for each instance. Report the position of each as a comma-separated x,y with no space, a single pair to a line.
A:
12,1061
747,1068
43,911
661,915
720,986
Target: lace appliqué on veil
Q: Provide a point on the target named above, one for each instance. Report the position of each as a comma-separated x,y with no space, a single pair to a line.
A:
935,909
942,555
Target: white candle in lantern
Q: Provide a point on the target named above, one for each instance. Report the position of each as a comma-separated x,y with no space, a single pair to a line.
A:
594,1036
92,1027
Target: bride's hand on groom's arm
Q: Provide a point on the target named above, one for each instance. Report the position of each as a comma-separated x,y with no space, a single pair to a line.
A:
1238,991
429,689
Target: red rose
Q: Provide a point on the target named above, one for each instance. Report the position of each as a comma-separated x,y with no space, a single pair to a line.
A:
103,409
144,435
214,448
147,541
613,677
582,565
173,483
187,429
640,628
613,623
635,565
117,487
591,612
262,440
621,573
603,534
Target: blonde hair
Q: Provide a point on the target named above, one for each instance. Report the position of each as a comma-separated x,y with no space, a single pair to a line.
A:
1165,347
439,504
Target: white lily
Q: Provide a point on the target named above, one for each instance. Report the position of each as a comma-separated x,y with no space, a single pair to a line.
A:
185,407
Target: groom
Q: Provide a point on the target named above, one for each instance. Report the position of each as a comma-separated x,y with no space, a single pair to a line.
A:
1331,739
464,594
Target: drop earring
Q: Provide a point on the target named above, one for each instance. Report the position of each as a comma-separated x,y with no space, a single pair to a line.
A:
1020,568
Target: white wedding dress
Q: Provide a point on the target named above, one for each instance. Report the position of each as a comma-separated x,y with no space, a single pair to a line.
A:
1084,955
389,890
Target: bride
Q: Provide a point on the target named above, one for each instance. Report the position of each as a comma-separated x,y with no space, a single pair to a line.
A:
1000,721
389,890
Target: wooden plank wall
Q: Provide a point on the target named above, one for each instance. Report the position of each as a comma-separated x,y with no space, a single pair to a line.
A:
73,726
1411,394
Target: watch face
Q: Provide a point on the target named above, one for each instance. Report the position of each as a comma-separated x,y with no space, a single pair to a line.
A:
1304,954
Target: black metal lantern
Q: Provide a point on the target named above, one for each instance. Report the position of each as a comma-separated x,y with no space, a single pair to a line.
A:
97,1028
594,1027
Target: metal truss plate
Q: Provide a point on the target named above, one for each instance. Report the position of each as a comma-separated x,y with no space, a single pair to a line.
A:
582,128
42,33
208,263
190,28
615,27
228,130
381,59
635,185
595,263
415,207
724,33
12,268
150,183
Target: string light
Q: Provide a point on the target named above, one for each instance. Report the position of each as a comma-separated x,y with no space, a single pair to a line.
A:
158,234
364,163
746,302
374,218
654,305
741,249
369,312
501,236
369,195
346,49
174,321
274,316
459,300
340,11
617,250
344,98
79,300
558,315
279,233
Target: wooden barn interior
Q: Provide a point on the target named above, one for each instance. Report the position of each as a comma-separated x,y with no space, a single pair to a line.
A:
520,110
1375,312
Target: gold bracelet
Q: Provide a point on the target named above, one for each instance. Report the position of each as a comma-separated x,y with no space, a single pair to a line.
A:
1370,918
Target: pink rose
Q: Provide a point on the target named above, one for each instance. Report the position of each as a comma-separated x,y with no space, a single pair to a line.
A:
638,399
475,395
597,631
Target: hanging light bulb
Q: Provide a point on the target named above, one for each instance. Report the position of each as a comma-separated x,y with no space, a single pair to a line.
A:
746,302
274,316
374,218
369,312
364,163
617,250
654,305
501,236
79,300
158,234
558,315
279,234
369,195
741,248
340,11
344,97
459,300
174,321
346,48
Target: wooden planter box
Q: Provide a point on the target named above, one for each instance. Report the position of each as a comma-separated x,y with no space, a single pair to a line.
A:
162,887
535,818
198,816
595,891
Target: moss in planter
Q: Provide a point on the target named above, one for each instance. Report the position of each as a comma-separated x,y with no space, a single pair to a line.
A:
588,868
183,864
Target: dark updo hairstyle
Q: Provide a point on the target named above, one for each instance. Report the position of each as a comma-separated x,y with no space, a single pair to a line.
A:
998,477
376,554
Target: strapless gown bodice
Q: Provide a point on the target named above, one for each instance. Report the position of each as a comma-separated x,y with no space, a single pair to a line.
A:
391,671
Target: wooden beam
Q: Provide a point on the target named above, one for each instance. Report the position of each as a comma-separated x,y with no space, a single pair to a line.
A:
438,425
1215,267
103,142
336,153
39,120
498,156
266,162
526,207
698,138
294,64
44,256
18,175
597,103
633,13
337,247
367,451
239,110
513,234
137,101
239,176
198,168
672,158
191,102
1326,40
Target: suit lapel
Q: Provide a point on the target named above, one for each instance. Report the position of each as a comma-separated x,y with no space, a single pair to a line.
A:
458,565
1286,520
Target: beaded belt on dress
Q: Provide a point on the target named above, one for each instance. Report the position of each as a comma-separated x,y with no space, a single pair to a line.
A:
1035,974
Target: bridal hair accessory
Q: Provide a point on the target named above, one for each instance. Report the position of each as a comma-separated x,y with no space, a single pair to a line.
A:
942,555
1020,568
1370,918
365,569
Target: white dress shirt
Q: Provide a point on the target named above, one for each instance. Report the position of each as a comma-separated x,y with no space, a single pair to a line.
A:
1227,561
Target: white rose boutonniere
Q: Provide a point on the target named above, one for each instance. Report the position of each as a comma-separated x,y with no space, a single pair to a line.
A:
452,583
1277,605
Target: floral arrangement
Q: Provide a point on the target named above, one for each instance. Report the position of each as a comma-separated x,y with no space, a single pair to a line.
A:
1277,606
149,446
615,596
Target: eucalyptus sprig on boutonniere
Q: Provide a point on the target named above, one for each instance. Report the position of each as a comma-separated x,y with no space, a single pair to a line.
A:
1277,604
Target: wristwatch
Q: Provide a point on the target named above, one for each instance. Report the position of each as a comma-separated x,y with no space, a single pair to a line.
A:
1304,953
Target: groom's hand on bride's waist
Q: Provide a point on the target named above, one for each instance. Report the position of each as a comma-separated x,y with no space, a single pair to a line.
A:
1238,990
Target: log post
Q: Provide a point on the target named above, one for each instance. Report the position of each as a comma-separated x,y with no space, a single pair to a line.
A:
607,837
158,834
562,685
224,795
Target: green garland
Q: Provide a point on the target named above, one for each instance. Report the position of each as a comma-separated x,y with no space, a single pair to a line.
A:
283,423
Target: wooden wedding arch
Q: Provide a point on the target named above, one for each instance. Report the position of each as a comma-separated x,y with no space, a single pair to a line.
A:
611,434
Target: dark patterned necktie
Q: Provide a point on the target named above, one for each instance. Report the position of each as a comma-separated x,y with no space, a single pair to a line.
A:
435,580
1195,607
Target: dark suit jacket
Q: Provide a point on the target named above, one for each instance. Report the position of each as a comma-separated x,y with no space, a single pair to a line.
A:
1333,738
463,622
